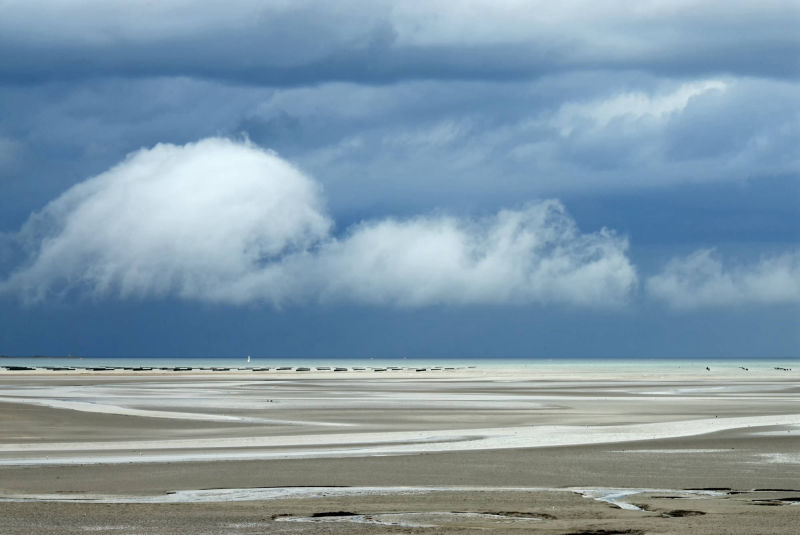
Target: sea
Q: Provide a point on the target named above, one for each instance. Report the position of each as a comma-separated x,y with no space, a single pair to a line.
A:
553,364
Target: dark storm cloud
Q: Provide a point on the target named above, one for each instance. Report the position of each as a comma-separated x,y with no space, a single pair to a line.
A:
486,101
361,64
417,145
303,43
451,139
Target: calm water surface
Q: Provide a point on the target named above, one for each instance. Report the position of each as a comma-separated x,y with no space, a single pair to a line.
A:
272,362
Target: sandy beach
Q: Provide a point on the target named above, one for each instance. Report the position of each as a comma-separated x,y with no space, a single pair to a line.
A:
562,451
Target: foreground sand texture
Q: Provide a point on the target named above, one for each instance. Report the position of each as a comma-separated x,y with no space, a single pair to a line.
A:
582,451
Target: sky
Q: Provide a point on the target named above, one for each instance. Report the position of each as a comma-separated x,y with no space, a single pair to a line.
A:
422,179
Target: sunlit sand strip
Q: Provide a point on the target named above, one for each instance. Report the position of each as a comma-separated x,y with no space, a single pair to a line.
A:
370,444
215,400
431,519
85,406
614,496
673,451
781,458
619,496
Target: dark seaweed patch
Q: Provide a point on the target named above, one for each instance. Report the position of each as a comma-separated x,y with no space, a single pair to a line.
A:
607,532
681,512
516,514
778,501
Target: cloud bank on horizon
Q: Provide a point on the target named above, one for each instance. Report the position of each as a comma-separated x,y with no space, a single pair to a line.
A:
225,221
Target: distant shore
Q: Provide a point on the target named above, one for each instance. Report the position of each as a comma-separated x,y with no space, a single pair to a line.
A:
561,370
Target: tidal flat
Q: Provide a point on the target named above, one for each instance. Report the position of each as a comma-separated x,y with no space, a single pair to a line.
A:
588,450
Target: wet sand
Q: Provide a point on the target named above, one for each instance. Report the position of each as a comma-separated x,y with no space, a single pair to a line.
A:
439,452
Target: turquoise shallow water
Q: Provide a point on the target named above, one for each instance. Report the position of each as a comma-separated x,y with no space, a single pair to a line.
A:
562,363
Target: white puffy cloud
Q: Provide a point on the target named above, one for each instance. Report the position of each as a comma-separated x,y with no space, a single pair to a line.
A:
224,221
534,254
172,220
701,280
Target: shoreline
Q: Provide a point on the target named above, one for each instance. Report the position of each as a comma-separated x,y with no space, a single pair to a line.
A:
695,373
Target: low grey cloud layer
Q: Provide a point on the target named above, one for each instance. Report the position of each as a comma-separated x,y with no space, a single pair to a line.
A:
702,280
410,105
224,221
519,137
422,145
382,41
